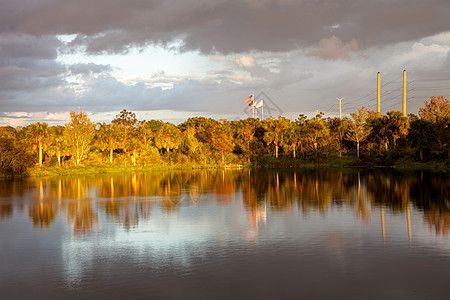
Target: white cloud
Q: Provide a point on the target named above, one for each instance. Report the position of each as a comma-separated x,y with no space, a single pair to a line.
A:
245,61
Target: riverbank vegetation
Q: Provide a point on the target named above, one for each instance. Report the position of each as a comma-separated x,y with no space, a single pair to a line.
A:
366,139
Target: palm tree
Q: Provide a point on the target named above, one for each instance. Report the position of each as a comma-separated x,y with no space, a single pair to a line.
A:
274,128
39,135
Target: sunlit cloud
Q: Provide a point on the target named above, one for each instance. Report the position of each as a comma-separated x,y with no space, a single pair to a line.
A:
334,48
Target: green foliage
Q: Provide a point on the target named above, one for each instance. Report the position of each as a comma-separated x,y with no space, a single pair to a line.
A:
274,129
15,156
389,140
168,137
38,135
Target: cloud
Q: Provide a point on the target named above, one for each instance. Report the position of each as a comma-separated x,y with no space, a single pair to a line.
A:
27,63
90,68
303,54
245,61
334,48
225,26
13,116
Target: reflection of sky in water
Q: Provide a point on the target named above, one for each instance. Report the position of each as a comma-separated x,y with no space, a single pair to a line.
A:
88,233
195,231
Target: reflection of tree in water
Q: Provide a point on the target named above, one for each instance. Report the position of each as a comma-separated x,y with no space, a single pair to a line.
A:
11,189
390,188
6,210
129,198
169,194
121,198
82,215
438,219
42,211
432,195
224,187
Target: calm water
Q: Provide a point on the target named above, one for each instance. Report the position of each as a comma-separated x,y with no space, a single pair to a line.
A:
227,235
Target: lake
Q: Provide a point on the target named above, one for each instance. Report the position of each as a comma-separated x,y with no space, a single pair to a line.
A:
287,234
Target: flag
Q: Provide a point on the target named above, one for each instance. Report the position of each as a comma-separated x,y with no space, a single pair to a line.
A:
251,103
260,104
250,98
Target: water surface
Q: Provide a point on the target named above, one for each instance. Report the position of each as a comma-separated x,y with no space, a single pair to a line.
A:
306,234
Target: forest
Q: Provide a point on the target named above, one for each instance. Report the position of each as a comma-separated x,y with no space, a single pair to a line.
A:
363,139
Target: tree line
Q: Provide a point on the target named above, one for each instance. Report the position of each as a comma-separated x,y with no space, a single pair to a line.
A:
205,141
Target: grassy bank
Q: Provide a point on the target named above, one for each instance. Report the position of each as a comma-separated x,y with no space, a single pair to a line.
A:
398,161
118,169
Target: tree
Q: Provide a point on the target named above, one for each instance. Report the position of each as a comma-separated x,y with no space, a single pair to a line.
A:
57,142
189,143
419,134
290,137
316,133
247,135
125,120
359,129
379,135
397,126
15,154
39,137
79,133
168,137
274,129
108,137
338,129
221,138
202,127
437,113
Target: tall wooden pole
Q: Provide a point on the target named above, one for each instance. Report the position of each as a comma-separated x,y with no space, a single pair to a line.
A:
340,108
378,95
408,218
382,223
404,93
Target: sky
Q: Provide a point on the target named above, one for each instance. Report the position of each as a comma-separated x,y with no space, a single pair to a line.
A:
175,59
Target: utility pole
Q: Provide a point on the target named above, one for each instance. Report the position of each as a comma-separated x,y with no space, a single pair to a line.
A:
404,93
340,108
378,95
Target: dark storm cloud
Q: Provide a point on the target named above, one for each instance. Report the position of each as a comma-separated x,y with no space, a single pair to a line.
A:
3,115
90,68
28,63
227,25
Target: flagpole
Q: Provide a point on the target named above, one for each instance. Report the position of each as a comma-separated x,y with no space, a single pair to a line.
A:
253,108
262,111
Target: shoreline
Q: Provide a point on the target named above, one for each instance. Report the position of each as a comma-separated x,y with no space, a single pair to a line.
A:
269,163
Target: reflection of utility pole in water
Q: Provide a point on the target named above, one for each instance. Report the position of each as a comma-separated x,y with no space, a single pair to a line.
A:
409,221
382,223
